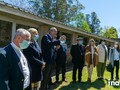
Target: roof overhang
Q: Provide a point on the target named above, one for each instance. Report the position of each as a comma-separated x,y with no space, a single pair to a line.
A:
18,12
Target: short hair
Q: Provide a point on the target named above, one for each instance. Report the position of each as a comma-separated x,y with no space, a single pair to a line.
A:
91,40
63,36
52,28
31,30
22,32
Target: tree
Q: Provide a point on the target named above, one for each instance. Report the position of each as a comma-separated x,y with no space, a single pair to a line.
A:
110,33
93,22
79,21
60,10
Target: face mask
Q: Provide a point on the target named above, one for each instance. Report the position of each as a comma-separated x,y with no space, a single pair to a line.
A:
35,38
115,46
62,42
24,44
103,43
81,42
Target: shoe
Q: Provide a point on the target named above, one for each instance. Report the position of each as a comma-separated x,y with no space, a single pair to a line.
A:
73,82
89,80
56,82
52,83
65,80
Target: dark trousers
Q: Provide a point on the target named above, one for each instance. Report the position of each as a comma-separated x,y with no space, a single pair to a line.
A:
46,76
58,67
75,68
116,64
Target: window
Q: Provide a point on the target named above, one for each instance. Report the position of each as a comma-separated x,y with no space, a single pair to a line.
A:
5,33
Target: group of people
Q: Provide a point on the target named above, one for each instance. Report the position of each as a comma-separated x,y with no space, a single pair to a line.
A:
94,56
24,65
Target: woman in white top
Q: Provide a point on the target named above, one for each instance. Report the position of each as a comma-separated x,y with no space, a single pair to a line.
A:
114,57
102,57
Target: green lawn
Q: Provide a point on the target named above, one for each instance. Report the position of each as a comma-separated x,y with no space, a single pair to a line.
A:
95,85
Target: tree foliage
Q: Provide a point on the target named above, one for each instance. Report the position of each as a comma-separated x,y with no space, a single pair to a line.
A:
110,33
60,10
94,22
79,21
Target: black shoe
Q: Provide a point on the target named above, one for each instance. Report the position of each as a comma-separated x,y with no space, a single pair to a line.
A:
52,84
65,80
56,82
73,82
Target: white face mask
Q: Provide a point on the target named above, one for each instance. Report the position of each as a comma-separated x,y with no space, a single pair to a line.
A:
103,43
62,42
115,46
24,44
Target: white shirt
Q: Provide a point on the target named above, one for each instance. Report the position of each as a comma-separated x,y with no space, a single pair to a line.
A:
116,55
24,64
92,51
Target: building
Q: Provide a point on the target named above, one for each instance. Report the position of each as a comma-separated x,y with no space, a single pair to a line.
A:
12,18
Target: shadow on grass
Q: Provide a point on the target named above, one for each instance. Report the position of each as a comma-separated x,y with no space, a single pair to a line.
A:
97,84
114,86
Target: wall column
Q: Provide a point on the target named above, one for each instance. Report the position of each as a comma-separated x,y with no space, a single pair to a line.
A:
13,30
42,31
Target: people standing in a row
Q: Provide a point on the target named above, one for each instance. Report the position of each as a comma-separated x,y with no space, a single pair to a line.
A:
114,57
77,52
61,59
34,56
16,73
91,57
102,58
48,51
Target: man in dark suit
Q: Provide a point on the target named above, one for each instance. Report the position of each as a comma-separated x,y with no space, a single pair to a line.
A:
17,71
77,52
48,50
34,56
61,59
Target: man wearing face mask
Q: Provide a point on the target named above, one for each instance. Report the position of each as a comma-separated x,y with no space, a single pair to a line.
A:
17,70
102,57
34,56
77,52
114,57
61,59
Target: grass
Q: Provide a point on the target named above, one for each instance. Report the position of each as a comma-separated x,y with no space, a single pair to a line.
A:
95,85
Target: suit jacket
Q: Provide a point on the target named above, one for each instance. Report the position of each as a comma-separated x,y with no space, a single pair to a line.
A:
13,73
61,55
77,53
48,50
35,60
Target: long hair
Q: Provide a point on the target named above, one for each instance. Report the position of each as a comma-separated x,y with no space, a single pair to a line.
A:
118,49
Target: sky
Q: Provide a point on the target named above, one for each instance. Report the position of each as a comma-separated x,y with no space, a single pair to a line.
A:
108,11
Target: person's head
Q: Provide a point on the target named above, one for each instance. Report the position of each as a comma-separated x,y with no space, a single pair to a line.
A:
53,32
116,45
22,38
92,42
102,42
63,39
79,40
34,34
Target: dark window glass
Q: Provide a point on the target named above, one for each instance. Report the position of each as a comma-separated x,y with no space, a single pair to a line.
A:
5,33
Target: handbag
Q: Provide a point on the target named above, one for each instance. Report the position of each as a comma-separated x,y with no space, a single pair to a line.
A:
109,67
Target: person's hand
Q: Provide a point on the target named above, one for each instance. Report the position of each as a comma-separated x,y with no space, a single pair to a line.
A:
43,65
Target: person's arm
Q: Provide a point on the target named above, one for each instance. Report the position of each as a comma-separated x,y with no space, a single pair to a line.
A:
47,42
3,72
